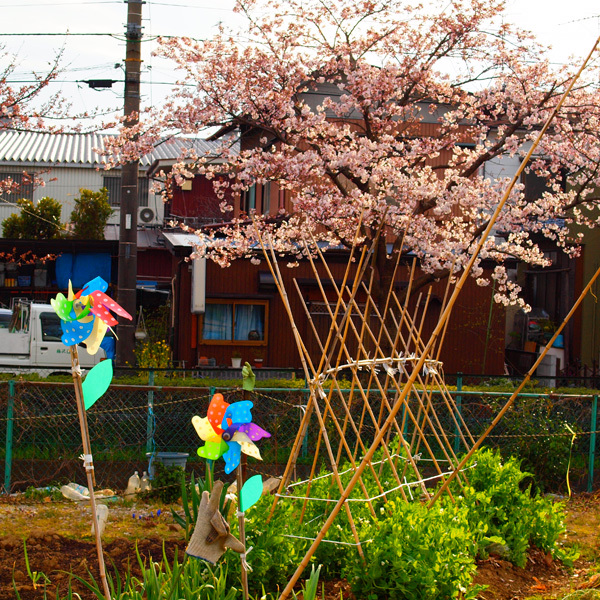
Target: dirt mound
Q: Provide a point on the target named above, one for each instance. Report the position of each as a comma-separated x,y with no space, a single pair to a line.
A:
57,556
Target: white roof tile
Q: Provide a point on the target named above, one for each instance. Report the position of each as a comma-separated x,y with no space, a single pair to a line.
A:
78,148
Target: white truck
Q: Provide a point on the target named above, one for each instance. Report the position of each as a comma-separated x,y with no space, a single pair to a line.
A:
30,342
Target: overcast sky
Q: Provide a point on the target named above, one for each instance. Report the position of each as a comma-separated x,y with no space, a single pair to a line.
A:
570,27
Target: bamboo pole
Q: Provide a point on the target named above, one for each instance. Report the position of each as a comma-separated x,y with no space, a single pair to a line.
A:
242,528
88,462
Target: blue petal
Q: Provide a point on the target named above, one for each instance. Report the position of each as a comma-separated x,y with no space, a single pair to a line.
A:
95,285
232,457
74,332
238,412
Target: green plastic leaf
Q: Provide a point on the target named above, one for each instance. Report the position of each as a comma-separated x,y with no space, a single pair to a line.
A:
96,382
251,492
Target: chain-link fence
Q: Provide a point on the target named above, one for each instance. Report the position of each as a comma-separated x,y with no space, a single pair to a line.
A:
41,442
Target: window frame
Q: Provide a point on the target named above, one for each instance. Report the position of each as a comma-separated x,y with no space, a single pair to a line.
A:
232,342
113,184
24,190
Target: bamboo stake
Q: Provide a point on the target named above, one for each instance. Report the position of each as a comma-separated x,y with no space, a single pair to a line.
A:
315,459
450,404
274,267
418,428
242,528
365,328
343,350
88,462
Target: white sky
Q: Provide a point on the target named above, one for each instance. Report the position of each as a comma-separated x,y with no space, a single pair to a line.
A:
570,27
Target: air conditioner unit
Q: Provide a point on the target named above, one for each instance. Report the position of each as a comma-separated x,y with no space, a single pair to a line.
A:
147,216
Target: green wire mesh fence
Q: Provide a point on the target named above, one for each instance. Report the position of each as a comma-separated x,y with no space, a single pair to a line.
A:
553,435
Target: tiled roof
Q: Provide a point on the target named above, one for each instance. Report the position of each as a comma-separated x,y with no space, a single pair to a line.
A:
78,148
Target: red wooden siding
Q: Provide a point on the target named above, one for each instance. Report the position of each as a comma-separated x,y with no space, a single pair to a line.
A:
463,349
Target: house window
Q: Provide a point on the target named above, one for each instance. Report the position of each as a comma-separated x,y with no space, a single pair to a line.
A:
248,202
240,322
24,190
113,185
536,186
266,198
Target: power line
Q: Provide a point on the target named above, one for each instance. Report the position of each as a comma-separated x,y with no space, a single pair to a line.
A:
61,3
91,82
117,36
50,34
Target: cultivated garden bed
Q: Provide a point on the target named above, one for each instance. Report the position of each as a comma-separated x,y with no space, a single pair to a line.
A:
496,535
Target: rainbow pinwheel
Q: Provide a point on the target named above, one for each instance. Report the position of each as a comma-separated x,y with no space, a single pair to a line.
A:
228,431
85,316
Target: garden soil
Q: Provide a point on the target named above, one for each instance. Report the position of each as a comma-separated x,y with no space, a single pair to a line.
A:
59,540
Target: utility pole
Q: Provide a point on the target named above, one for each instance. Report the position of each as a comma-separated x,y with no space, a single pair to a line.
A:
129,189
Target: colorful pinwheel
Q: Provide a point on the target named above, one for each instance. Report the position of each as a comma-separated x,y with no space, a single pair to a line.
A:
228,431
85,316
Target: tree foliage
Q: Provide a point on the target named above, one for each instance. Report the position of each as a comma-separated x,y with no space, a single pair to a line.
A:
39,221
91,213
375,110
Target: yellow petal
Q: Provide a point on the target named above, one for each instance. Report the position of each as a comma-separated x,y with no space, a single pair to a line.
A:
251,449
204,429
92,343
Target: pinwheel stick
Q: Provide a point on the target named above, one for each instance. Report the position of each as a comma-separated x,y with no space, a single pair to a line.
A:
88,462
242,528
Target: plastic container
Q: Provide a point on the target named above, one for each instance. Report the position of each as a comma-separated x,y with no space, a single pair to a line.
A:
169,459
76,492
145,485
133,485
102,516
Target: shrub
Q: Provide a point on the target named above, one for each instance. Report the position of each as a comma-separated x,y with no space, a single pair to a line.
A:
415,552
499,510
91,213
39,221
166,483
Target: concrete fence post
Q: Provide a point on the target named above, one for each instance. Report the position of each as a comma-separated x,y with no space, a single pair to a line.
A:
592,456
9,435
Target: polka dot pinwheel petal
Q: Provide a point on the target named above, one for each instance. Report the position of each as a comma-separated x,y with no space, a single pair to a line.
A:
62,307
253,431
213,450
103,303
75,332
85,316
95,285
216,412
238,412
204,429
232,457
250,449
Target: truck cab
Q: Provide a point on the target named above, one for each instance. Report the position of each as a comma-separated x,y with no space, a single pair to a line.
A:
32,341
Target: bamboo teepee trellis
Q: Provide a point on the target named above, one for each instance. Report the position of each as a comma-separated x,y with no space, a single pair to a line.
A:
385,336
387,343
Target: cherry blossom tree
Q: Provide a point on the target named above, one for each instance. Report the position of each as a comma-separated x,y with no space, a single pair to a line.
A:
23,108
392,114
